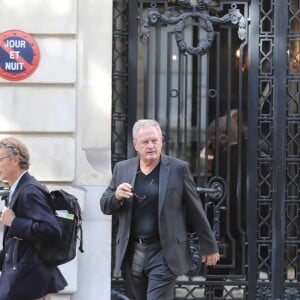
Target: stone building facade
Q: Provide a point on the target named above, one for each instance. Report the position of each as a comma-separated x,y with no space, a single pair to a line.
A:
63,113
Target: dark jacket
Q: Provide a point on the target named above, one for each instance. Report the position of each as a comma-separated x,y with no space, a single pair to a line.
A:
24,275
178,202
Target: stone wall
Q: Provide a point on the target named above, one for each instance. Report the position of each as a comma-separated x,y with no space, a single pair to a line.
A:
63,113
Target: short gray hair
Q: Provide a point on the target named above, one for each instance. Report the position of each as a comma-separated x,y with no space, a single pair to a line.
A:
15,147
145,123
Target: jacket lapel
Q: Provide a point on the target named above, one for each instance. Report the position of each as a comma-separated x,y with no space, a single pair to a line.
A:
164,175
132,170
23,181
131,173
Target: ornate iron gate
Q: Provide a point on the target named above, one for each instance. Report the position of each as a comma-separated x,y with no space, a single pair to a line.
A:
222,78
275,74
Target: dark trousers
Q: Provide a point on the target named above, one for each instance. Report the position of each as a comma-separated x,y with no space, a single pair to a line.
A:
149,276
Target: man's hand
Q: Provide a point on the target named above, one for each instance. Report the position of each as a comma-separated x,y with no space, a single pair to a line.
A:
123,191
211,259
7,216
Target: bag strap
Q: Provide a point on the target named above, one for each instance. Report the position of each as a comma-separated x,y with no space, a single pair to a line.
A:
11,204
80,247
15,197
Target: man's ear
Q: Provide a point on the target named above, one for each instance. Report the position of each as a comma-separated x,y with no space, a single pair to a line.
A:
134,144
16,160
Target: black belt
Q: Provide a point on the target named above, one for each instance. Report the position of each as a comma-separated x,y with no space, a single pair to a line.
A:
144,241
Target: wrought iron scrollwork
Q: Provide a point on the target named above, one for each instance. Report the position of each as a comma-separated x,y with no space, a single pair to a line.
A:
205,20
215,193
193,242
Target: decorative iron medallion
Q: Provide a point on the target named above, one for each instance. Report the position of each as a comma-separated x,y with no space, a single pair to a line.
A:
205,21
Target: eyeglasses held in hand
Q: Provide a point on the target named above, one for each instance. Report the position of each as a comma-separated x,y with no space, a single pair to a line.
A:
143,197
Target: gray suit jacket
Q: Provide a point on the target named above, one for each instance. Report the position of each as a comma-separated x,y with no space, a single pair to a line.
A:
179,204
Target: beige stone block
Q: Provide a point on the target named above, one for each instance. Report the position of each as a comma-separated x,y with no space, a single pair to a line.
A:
52,157
37,109
39,16
57,62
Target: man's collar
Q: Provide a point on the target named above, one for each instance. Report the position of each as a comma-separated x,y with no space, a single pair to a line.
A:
13,187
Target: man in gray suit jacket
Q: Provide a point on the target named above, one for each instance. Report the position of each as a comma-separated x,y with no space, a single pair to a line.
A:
155,196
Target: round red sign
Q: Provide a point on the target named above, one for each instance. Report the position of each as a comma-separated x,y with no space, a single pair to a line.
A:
19,55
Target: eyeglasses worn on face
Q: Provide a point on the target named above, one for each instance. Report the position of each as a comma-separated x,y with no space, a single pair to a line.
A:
1,158
145,143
